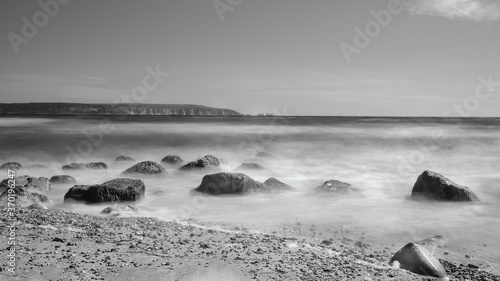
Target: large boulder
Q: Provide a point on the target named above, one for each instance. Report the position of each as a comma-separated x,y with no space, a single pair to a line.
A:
172,161
31,184
277,185
337,187
23,197
230,183
148,168
417,259
117,190
62,179
207,162
433,186
86,166
13,166
250,166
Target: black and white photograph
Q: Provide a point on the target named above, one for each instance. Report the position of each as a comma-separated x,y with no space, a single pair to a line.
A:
240,140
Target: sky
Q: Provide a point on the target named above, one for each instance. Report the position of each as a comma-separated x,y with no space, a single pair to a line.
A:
289,57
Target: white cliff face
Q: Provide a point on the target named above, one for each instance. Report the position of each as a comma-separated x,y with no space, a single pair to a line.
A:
111,109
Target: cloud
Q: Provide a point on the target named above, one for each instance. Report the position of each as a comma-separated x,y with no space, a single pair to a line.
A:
475,10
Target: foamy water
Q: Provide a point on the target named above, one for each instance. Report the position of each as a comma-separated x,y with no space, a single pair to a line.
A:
382,157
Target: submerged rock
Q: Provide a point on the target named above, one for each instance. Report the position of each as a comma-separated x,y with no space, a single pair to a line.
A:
13,166
172,160
39,167
337,187
23,197
250,166
264,155
230,183
62,179
277,185
31,184
417,259
117,190
433,186
146,168
86,166
122,158
207,162
117,210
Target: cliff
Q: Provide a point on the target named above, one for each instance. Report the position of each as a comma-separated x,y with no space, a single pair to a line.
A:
111,109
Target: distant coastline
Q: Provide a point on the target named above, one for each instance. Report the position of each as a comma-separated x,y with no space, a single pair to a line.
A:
118,109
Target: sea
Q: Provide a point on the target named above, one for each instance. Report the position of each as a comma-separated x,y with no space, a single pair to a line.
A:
381,156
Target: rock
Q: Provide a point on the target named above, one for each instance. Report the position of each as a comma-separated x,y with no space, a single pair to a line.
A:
431,243
24,198
13,166
337,187
172,160
208,162
116,210
223,161
250,166
38,167
417,259
37,206
253,160
117,190
86,166
62,179
146,168
124,158
264,155
230,183
277,185
31,184
433,186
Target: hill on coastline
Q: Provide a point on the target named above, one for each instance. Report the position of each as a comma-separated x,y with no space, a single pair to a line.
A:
111,109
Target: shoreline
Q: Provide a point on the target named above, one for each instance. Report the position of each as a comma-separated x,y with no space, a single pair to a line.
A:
63,245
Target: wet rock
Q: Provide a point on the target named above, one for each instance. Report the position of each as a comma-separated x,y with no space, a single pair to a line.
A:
31,184
62,179
116,210
86,166
37,206
337,187
250,166
24,198
122,158
172,161
13,166
277,185
149,168
230,183
431,243
417,259
117,190
433,186
206,163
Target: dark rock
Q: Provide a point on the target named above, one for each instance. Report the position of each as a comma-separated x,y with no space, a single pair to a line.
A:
146,168
250,166
62,179
86,166
124,158
337,187
264,155
172,160
31,184
417,259
433,186
230,183
117,190
277,185
24,198
208,162
118,209
13,166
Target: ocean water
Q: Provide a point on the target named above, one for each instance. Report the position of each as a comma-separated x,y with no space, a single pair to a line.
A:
381,156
